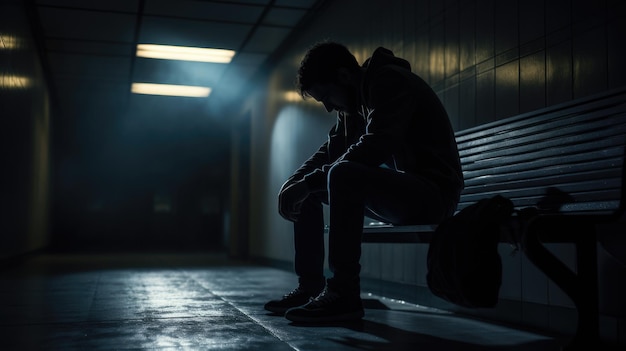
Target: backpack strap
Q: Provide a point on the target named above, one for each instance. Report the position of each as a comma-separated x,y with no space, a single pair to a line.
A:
514,229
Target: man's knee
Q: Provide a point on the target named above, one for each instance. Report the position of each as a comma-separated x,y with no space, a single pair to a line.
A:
314,202
344,171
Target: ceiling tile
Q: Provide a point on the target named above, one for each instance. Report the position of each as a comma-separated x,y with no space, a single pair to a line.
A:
157,30
305,4
90,47
91,67
249,59
88,25
254,2
283,17
215,11
266,39
107,5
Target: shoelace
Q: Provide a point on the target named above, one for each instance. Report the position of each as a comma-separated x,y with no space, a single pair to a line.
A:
294,292
324,298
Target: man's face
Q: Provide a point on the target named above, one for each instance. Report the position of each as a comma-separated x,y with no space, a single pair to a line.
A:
335,97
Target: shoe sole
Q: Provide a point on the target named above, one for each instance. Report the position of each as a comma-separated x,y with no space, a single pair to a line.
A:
277,310
346,317
282,310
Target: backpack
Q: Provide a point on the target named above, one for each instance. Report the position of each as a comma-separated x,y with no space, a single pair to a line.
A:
463,263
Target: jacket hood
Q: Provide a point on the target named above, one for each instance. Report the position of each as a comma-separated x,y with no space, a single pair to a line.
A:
382,60
382,57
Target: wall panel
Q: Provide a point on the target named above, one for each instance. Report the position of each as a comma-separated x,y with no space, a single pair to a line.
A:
24,136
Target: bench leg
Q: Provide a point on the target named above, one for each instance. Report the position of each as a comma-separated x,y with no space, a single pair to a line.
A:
587,304
582,286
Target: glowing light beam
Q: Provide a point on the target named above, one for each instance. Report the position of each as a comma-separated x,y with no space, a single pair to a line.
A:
184,53
14,82
170,90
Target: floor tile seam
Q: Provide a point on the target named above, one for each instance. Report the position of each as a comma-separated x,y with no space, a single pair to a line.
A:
94,294
261,324
255,320
102,321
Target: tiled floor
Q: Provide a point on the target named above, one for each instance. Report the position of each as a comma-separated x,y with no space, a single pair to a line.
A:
205,302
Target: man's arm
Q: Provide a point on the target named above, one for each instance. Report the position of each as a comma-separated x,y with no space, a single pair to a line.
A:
290,199
392,104
295,189
314,162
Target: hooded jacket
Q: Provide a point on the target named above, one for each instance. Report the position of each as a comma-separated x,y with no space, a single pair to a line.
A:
402,125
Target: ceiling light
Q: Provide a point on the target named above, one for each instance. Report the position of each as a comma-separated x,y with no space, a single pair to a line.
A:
7,42
14,82
171,90
184,53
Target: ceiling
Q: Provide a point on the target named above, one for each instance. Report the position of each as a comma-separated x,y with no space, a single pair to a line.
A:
90,46
111,142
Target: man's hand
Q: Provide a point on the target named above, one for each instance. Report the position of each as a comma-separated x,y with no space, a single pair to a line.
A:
290,199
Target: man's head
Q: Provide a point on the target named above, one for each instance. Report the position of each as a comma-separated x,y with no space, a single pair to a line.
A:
330,74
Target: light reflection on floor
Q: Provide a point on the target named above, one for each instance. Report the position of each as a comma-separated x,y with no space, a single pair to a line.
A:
203,302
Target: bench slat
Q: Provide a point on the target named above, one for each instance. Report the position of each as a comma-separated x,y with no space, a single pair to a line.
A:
609,179
605,159
578,107
571,144
577,125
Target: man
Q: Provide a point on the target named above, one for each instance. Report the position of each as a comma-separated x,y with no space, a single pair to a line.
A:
391,156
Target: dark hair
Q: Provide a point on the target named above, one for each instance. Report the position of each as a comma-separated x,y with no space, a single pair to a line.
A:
320,65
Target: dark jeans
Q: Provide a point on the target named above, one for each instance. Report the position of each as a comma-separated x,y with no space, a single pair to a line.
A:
355,191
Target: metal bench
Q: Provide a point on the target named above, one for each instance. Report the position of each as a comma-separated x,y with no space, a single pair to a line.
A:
568,162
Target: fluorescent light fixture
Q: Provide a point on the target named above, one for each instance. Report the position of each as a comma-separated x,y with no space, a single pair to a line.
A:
170,90
14,82
184,53
7,42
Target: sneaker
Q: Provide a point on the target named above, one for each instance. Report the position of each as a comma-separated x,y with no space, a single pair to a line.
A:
295,298
328,306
